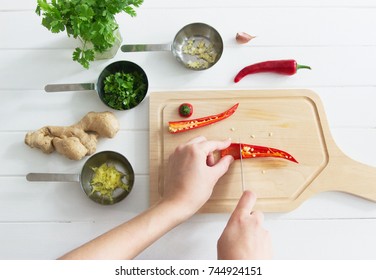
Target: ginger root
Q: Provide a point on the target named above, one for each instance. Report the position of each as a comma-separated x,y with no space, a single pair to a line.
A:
75,141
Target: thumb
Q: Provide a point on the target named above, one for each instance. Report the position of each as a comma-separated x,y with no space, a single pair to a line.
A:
245,204
222,165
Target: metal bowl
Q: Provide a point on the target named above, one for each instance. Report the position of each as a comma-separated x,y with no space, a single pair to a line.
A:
111,158
196,33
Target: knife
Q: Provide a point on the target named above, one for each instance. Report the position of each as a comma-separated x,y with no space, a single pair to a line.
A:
241,165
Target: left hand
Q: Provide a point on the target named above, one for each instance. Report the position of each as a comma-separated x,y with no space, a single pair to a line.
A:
192,173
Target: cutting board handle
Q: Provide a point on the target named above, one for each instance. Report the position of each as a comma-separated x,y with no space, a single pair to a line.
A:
347,175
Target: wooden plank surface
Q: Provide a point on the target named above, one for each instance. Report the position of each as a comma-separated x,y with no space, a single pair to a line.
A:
39,240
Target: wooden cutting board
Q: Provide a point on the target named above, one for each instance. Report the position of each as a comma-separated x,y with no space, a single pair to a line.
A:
290,120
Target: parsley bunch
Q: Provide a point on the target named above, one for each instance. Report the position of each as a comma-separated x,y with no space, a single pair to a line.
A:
124,91
90,20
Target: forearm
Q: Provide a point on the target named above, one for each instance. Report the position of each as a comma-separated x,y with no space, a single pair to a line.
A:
190,178
131,238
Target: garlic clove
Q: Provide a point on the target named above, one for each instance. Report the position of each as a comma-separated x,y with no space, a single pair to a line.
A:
242,37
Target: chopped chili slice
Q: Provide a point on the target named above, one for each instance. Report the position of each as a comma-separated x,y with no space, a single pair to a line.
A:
252,151
181,126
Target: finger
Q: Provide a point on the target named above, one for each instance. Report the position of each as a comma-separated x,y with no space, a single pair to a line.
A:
245,204
258,216
195,140
222,165
213,157
210,161
211,146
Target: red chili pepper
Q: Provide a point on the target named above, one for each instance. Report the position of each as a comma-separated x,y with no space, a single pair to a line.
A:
252,151
185,110
181,126
284,67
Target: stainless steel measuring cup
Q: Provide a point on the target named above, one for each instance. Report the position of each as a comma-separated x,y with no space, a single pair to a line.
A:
86,175
197,46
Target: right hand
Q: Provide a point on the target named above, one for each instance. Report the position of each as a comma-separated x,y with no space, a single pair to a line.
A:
244,238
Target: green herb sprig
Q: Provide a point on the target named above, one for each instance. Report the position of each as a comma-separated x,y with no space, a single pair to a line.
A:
124,91
90,20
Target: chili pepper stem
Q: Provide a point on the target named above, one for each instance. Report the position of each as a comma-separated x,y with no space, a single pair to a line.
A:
299,66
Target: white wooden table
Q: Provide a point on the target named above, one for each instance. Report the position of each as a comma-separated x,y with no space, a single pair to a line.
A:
44,220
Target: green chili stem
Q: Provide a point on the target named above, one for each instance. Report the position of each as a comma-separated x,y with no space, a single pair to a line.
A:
299,66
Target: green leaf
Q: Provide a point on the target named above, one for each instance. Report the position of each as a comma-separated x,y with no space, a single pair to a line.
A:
130,11
89,55
46,22
38,10
57,26
84,12
83,57
77,54
42,5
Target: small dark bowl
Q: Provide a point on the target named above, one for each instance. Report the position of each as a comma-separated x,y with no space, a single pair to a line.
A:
125,67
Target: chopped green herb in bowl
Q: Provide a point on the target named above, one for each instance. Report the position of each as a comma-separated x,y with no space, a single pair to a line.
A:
124,86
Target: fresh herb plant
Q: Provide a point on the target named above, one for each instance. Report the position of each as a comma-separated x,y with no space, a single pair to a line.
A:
90,20
124,90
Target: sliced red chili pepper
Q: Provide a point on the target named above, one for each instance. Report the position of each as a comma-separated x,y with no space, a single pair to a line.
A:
181,126
284,67
252,151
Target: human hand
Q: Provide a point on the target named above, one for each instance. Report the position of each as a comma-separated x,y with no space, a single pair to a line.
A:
244,238
192,173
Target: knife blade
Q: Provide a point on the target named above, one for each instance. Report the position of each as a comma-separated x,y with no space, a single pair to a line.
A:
241,165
